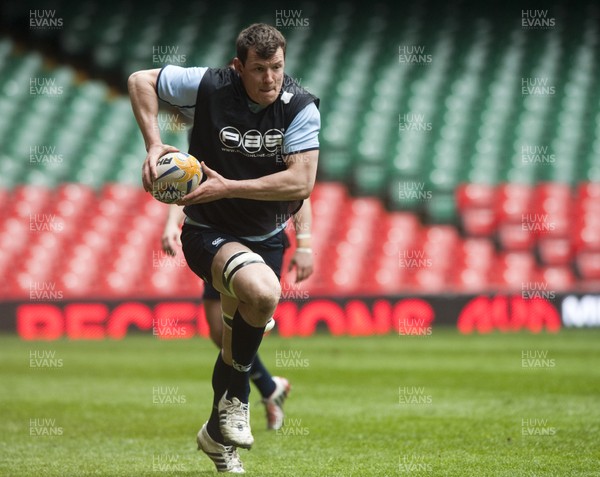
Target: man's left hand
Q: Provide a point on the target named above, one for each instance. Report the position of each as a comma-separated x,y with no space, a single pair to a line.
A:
215,187
303,263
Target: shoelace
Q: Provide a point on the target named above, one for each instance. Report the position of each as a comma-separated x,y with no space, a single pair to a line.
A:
232,455
239,413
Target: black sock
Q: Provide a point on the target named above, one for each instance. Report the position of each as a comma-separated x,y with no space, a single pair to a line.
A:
220,381
245,340
261,378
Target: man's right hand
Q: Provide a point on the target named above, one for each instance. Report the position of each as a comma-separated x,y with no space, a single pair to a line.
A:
155,152
171,240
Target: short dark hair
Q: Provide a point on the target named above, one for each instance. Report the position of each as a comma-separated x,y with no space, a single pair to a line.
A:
265,39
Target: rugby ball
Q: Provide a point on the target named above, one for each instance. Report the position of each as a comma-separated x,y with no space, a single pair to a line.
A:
178,174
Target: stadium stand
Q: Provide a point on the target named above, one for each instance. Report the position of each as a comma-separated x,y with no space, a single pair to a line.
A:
448,172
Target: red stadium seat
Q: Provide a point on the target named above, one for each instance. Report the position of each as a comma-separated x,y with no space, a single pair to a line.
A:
430,280
32,194
513,236
555,251
477,252
553,189
76,193
558,278
588,190
513,201
514,270
330,192
588,265
471,280
4,200
475,261
478,222
403,227
587,236
123,193
469,196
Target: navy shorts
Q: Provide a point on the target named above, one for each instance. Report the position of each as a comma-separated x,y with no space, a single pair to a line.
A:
211,293
201,244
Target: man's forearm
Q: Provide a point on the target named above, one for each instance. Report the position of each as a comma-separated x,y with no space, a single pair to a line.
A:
278,186
303,225
295,183
144,103
176,215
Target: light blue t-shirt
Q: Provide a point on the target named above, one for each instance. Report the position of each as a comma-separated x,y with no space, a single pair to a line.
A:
178,87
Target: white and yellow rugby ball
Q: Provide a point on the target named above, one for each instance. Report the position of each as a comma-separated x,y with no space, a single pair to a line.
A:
178,174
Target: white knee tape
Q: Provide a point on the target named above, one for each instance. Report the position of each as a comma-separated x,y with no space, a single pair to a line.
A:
235,263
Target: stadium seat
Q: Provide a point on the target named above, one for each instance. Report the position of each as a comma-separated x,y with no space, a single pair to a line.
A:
478,221
558,278
514,202
514,236
475,196
588,265
555,251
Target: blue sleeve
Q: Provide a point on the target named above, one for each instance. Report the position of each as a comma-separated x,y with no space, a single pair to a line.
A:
178,87
303,133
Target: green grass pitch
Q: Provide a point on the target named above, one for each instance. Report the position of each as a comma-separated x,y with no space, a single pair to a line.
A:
513,405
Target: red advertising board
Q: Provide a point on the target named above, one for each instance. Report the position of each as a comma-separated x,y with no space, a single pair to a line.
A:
353,316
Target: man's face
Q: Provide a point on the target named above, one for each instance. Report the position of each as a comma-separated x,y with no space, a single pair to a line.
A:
262,78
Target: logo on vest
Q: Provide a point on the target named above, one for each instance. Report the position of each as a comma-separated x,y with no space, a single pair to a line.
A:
252,141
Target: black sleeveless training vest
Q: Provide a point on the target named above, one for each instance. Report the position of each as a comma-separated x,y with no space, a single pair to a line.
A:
240,144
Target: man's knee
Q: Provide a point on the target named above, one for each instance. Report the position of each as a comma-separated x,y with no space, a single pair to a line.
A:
258,293
263,295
